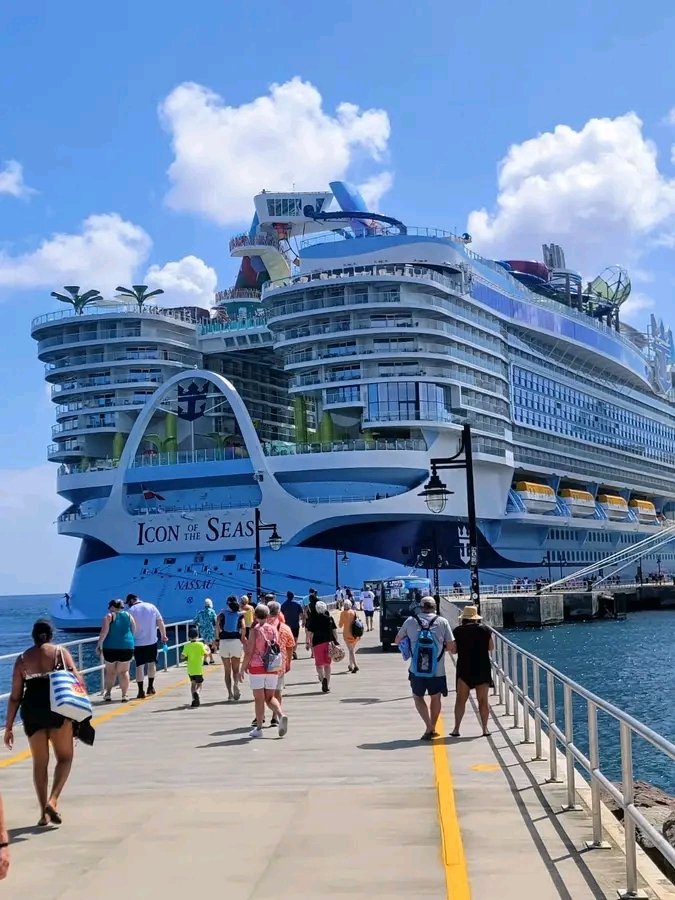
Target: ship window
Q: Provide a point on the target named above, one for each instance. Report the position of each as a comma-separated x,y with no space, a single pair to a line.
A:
229,557
169,560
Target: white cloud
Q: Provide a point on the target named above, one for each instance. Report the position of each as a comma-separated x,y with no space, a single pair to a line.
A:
187,282
375,188
104,253
224,155
634,309
11,180
28,500
597,191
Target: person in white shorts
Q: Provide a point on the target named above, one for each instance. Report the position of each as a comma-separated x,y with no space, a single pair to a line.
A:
263,679
367,599
231,628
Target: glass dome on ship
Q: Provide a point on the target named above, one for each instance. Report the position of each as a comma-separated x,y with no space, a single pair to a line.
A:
350,350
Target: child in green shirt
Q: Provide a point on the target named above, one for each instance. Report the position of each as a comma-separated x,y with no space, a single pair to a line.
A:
195,653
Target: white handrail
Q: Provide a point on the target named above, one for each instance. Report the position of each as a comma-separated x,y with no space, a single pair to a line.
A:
77,650
512,665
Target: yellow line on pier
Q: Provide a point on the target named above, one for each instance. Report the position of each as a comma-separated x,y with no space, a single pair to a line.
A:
452,848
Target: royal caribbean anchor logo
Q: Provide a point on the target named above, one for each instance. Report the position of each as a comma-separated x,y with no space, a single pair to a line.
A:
192,401
463,537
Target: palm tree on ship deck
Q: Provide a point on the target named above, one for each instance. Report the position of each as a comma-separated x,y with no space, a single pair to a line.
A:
77,300
139,293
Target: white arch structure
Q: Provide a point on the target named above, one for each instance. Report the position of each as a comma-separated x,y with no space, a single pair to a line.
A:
241,415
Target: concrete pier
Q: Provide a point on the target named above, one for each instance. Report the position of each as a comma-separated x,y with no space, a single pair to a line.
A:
175,802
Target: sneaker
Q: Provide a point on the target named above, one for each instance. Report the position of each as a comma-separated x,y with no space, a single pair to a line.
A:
355,669
255,733
151,690
283,726
125,699
254,723
324,685
237,693
274,722
107,697
195,699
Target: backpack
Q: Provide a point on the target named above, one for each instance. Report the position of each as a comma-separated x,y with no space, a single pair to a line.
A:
357,627
423,660
272,657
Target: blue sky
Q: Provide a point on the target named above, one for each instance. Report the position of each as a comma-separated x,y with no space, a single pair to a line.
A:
132,136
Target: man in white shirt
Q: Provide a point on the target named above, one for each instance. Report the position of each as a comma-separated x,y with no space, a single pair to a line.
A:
339,597
367,601
148,620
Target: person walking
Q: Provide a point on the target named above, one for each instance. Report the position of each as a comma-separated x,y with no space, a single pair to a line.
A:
367,600
346,622
263,662
116,643
148,621
231,636
322,631
287,647
206,621
472,642
424,639
32,695
248,611
195,652
4,843
292,610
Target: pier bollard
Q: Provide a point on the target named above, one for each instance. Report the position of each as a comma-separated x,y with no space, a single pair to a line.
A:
569,756
594,758
526,705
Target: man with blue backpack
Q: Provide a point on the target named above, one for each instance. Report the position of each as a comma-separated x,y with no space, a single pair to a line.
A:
424,639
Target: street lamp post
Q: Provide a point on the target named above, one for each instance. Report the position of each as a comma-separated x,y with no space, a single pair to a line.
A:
436,495
274,542
345,559
546,561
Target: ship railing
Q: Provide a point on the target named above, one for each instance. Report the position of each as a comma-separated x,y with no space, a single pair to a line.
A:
341,446
351,498
402,270
123,309
412,230
160,507
258,240
236,294
182,457
83,653
233,325
73,362
520,680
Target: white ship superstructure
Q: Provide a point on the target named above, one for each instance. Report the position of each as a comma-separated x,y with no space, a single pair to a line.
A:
352,349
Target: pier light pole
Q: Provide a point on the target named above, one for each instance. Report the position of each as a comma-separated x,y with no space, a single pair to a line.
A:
345,560
546,561
274,542
436,495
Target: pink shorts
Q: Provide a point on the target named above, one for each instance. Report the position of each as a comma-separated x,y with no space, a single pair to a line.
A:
322,655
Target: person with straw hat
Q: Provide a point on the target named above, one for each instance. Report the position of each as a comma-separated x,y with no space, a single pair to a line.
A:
472,643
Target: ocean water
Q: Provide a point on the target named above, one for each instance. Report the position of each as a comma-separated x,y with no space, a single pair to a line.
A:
631,663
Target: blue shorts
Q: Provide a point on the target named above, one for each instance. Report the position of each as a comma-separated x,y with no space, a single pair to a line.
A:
431,686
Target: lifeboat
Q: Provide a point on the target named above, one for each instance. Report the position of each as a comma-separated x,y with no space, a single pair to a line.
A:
644,509
579,503
536,497
614,507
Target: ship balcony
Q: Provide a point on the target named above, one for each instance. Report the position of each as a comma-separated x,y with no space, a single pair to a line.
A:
111,311
412,419
104,423
54,347
343,398
231,294
368,274
97,382
245,245
164,357
67,409
67,451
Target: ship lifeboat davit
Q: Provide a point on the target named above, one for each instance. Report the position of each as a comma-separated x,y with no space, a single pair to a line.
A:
536,497
644,509
579,503
615,508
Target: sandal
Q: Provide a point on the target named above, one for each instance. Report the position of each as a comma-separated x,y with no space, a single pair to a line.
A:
44,821
53,814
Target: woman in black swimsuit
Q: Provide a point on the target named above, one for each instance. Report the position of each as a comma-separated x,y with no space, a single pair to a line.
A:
473,643
31,693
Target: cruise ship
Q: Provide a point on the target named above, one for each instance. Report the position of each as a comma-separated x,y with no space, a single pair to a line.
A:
352,349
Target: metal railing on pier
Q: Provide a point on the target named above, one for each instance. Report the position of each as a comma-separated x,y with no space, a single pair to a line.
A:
519,680
83,651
